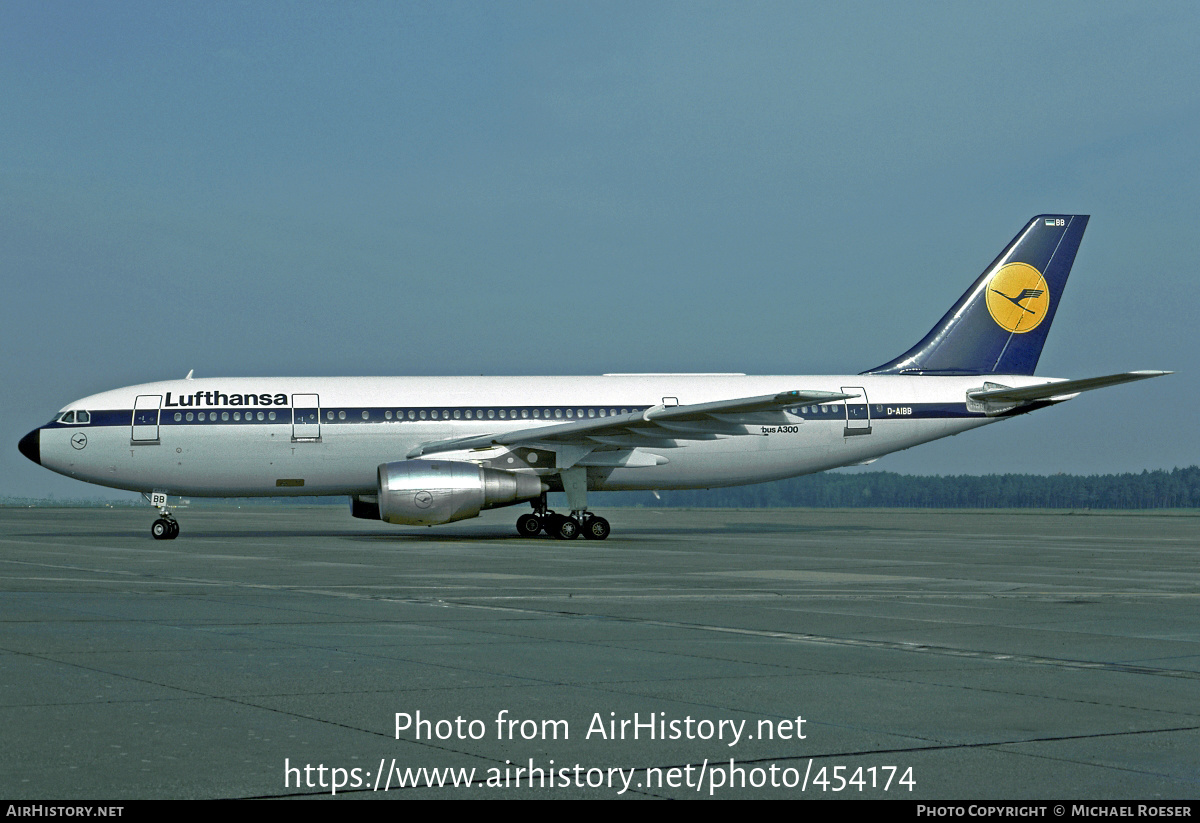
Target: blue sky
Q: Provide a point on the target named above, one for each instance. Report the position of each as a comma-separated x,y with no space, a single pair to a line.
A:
575,188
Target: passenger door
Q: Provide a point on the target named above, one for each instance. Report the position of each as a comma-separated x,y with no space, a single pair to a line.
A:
145,419
858,411
306,418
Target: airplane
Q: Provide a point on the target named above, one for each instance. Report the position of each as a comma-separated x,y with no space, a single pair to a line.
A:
425,451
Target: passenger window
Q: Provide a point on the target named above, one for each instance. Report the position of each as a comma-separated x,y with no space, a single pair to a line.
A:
458,414
366,416
502,414
260,416
524,414
237,415
178,417
270,415
558,413
328,415
422,414
491,414
341,415
412,415
224,415
591,412
189,417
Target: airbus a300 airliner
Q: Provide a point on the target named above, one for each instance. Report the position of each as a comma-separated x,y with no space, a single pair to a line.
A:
426,451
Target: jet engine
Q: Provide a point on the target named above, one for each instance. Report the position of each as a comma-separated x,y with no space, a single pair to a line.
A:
429,492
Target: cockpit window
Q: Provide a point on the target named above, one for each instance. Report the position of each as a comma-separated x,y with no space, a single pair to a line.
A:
83,417
69,417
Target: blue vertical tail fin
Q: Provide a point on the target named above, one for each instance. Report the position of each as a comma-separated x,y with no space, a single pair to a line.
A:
1000,324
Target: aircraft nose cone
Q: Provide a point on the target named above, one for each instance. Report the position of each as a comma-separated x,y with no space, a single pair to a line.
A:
31,446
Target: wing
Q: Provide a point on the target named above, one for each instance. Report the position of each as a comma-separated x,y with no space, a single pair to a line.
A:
1061,389
659,427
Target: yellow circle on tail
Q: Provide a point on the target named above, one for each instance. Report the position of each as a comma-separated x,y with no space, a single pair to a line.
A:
1018,297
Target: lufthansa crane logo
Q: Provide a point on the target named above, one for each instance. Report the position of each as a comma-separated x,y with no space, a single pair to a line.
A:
423,500
79,440
1018,297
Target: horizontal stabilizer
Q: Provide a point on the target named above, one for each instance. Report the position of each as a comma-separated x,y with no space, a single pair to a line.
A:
1061,388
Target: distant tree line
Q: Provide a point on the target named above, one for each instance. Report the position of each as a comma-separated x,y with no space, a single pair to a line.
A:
1175,489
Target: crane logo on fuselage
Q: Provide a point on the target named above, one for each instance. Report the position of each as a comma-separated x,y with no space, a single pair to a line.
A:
1018,297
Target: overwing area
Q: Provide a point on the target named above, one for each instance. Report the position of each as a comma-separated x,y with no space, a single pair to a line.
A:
659,426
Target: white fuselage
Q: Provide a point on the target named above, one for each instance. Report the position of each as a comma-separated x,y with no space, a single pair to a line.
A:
292,436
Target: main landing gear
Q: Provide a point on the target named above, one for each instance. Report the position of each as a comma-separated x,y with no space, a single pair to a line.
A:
563,527
165,527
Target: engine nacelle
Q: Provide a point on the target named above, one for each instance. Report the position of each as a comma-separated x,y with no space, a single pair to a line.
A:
429,492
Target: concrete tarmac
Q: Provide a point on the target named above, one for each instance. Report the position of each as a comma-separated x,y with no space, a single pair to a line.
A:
767,653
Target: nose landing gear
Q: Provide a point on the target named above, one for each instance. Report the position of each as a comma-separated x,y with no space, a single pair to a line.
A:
165,527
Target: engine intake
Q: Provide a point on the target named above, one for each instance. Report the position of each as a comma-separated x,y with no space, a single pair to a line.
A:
430,492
